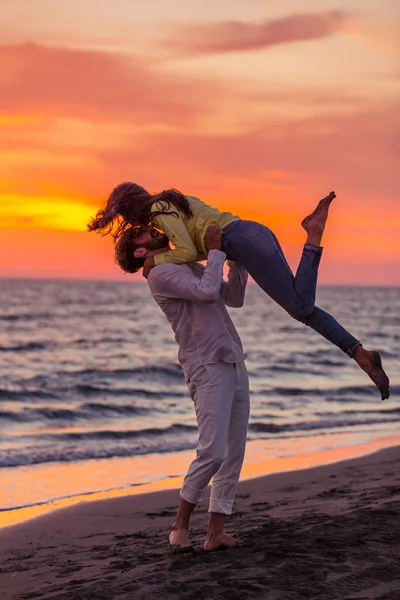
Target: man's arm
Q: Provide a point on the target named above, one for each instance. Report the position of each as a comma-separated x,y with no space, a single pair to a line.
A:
173,281
233,290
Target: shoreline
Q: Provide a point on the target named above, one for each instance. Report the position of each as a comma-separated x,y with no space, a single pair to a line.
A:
328,532
252,469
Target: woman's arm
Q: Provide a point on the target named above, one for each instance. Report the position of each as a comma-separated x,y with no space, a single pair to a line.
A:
175,228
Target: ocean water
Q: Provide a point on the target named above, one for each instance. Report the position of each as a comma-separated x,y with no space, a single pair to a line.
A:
89,375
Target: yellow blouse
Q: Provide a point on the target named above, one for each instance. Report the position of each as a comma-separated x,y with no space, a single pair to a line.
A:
187,235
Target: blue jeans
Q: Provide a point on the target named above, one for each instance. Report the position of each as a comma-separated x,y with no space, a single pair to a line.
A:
256,248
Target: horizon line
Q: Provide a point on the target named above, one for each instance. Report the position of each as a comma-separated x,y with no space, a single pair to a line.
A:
140,280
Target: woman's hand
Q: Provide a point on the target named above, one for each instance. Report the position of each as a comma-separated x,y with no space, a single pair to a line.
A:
148,265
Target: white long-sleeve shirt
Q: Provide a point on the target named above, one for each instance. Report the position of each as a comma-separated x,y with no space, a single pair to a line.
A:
194,300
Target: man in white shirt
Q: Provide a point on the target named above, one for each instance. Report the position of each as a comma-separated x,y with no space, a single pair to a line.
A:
194,300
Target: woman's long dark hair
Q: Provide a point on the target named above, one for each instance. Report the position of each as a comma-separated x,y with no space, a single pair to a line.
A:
130,204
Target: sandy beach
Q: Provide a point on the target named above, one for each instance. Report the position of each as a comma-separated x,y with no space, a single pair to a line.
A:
330,532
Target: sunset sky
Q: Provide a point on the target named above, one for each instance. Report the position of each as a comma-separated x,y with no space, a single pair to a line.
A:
257,107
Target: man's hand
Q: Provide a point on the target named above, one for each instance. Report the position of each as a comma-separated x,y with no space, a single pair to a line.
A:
213,238
148,265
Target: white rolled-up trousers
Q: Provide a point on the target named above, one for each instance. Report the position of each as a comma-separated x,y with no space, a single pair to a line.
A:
220,393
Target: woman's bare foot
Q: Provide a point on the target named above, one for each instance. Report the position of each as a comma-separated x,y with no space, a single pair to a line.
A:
314,223
179,541
370,362
220,542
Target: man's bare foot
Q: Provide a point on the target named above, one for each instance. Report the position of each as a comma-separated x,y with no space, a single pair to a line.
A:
220,542
314,223
179,541
370,362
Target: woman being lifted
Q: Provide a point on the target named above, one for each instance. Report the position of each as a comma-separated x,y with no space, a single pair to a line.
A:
184,219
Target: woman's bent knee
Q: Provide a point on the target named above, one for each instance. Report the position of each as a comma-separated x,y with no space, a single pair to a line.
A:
301,313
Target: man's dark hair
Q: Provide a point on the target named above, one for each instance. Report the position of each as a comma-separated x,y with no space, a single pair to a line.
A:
124,249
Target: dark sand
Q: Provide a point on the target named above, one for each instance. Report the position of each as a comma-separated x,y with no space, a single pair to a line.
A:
327,533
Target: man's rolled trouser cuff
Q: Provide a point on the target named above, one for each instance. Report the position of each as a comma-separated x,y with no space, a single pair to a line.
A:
191,495
223,507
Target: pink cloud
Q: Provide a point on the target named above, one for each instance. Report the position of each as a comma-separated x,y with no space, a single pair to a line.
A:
94,85
234,36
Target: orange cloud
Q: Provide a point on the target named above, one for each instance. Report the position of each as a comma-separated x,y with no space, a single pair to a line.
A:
234,36
60,107
378,34
355,153
75,122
